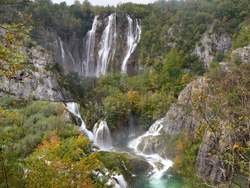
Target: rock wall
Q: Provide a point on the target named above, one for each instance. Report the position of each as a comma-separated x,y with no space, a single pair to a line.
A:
242,55
180,118
185,117
211,45
35,81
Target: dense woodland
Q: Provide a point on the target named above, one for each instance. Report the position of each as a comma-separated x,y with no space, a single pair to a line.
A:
30,129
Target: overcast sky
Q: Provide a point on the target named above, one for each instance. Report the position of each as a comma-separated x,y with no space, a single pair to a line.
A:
106,2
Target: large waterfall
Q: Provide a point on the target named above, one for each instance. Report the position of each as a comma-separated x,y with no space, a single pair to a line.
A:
102,136
159,164
73,108
88,62
133,37
107,49
104,45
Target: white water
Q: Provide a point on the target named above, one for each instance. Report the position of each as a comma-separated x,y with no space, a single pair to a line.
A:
90,48
63,52
107,46
102,136
73,108
72,58
159,164
62,49
133,38
120,181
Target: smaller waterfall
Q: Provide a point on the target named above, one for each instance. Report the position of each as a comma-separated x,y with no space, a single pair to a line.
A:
102,136
107,45
73,108
116,181
62,49
131,127
120,181
159,164
72,58
133,38
90,49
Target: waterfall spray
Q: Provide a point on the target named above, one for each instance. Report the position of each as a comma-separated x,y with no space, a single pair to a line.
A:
90,49
61,49
153,159
102,136
133,38
73,108
107,43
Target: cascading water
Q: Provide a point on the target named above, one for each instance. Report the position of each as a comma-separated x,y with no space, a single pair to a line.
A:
61,49
159,164
120,181
72,58
133,38
73,108
63,52
99,52
106,51
88,61
102,136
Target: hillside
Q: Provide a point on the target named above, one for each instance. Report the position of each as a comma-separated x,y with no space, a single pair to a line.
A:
150,96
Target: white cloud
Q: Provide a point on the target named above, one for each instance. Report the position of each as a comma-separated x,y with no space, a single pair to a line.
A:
106,2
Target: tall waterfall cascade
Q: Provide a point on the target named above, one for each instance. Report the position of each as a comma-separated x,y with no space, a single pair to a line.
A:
90,47
153,159
74,109
133,38
107,48
101,48
102,136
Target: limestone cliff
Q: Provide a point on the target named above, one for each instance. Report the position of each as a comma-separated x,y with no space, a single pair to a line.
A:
205,104
35,81
212,45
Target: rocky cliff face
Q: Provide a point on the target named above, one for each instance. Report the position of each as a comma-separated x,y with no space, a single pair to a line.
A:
35,81
241,55
180,118
195,109
212,44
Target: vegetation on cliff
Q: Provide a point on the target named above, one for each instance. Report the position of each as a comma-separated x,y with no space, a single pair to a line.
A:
38,141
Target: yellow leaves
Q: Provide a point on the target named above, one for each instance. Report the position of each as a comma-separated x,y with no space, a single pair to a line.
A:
51,143
178,161
186,78
10,117
133,97
10,38
237,147
58,167
12,57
